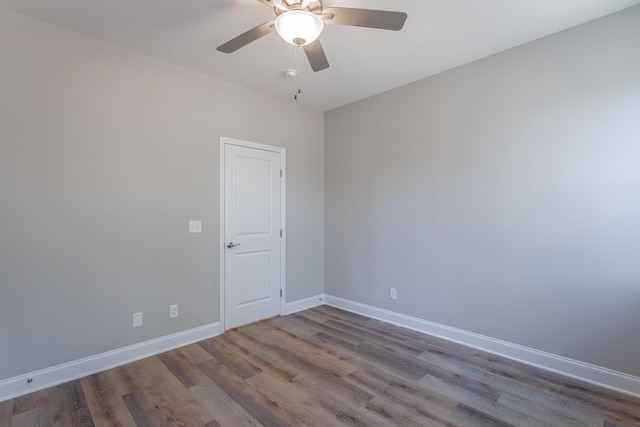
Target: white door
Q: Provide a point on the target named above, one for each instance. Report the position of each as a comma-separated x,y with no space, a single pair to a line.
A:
252,234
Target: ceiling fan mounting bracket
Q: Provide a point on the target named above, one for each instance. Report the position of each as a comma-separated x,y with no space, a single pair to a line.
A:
283,6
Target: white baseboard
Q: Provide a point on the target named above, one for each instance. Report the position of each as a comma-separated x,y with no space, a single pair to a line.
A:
303,304
20,385
593,374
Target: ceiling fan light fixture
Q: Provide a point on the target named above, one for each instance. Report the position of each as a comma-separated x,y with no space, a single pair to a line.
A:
299,27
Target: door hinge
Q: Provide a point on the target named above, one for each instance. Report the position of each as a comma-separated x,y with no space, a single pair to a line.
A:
280,232
280,293
280,173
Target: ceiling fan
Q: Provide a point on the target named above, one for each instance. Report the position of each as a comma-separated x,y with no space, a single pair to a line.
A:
300,23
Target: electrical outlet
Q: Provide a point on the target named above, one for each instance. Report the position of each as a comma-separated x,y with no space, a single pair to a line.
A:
137,319
173,311
393,293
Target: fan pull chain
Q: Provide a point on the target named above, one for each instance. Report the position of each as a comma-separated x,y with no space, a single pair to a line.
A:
298,53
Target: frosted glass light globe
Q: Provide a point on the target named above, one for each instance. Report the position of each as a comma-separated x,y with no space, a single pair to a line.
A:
299,27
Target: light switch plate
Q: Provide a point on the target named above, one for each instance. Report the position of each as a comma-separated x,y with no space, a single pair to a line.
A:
195,226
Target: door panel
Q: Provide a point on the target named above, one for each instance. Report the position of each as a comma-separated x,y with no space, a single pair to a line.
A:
252,223
254,277
254,196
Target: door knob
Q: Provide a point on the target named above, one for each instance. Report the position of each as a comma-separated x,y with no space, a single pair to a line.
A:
232,245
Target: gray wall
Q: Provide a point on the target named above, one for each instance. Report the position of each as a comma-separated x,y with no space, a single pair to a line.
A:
501,197
105,155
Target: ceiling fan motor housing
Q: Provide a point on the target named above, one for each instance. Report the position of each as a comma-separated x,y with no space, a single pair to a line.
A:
282,6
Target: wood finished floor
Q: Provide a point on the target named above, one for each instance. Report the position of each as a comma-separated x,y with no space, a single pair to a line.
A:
323,367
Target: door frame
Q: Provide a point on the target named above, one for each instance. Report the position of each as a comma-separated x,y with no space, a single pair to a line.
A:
224,141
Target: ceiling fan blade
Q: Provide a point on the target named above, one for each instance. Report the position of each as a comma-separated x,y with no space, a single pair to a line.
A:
382,19
315,55
246,38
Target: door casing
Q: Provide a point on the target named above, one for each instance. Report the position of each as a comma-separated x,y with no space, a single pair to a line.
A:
221,243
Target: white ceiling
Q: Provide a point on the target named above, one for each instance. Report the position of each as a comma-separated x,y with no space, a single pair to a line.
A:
438,35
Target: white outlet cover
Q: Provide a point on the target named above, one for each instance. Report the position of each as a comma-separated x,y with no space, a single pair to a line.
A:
195,226
137,319
173,311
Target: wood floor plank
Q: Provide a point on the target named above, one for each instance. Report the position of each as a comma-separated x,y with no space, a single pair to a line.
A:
5,413
306,352
416,402
383,334
467,416
148,411
620,408
322,377
159,395
343,315
225,410
373,364
344,405
508,385
417,339
39,416
393,414
548,414
104,401
372,336
30,401
264,409
124,378
484,405
264,334
399,363
237,364
182,368
303,403
379,381
342,390
370,354
299,329
314,315
194,353
243,343
262,356
68,405
610,421
322,328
